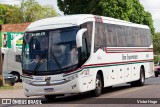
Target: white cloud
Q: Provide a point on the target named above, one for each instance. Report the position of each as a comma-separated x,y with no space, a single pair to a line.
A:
153,6
11,2
51,2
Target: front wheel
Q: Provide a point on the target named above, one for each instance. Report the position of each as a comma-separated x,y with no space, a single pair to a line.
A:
98,89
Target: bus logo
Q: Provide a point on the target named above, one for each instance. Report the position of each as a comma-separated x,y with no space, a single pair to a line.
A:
47,79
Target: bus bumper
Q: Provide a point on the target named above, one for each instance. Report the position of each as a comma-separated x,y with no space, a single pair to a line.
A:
66,88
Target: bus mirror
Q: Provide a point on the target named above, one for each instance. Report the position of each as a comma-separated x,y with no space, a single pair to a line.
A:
79,37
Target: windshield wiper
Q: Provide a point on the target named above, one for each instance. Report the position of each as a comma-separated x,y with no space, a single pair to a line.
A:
38,63
54,57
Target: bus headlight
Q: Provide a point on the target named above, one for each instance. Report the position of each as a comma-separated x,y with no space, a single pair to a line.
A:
72,77
27,81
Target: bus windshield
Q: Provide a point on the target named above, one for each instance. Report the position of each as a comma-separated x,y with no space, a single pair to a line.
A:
50,52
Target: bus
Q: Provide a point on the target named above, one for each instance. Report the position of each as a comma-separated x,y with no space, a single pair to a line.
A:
84,53
12,58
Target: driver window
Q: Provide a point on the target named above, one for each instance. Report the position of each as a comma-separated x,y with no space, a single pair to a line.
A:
86,40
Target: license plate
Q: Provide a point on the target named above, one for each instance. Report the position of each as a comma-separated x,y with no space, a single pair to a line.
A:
48,89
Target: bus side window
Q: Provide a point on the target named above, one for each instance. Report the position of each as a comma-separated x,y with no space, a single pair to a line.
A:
88,36
18,58
84,48
111,35
100,36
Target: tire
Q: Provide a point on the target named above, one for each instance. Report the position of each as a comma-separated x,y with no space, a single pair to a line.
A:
156,74
141,81
12,83
50,97
98,89
16,76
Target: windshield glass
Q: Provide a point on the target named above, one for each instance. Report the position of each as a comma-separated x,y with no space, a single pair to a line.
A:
51,51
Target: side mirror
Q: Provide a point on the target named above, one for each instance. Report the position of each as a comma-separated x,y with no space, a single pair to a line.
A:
79,37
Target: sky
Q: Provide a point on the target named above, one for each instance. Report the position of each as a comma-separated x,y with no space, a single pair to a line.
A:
152,6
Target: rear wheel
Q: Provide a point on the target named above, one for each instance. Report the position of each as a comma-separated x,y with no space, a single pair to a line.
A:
50,97
98,89
141,81
156,74
142,78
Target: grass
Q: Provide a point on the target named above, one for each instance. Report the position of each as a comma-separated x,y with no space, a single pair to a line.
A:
6,87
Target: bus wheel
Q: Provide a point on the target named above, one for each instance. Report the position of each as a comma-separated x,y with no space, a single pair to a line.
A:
50,97
141,81
156,74
98,90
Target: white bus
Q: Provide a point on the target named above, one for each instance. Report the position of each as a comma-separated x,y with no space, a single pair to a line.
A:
80,53
12,59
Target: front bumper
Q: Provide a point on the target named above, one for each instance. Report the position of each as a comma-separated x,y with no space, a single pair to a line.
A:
66,88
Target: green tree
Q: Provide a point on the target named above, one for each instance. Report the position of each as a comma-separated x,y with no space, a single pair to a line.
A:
156,43
129,10
10,14
13,14
32,11
29,11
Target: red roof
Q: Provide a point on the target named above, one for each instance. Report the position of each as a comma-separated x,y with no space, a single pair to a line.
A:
14,27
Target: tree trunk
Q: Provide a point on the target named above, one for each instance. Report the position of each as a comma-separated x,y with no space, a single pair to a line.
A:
1,65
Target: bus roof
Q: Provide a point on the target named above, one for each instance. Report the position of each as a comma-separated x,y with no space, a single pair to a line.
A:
75,20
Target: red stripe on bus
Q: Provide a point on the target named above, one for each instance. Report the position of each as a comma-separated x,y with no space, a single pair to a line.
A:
84,66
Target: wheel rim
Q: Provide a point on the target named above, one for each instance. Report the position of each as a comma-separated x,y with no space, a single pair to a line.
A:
142,77
98,85
15,77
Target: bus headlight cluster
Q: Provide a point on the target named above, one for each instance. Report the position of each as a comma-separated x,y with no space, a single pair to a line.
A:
27,81
72,77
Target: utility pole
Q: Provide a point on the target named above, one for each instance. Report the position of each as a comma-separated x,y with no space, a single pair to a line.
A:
1,64
23,10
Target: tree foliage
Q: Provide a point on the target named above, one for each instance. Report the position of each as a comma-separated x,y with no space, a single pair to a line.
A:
10,14
28,11
156,43
129,10
32,10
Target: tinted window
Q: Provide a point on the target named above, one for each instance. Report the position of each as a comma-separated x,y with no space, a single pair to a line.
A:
100,36
87,37
125,36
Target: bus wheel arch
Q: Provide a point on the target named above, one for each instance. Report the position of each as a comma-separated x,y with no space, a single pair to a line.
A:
99,84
